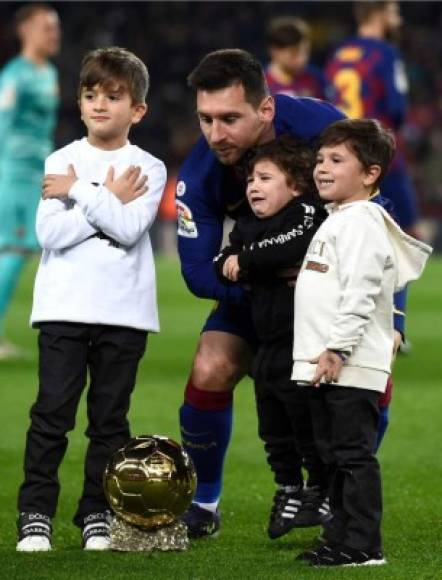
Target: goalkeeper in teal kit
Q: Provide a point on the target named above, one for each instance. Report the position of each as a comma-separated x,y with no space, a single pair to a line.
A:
28,106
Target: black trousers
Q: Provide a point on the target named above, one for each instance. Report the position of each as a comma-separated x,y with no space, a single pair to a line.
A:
66,352
345,423
284,420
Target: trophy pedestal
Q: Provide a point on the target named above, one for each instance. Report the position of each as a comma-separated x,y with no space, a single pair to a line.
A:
128,538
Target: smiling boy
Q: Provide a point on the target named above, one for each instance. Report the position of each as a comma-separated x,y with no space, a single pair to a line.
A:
94,295
344,331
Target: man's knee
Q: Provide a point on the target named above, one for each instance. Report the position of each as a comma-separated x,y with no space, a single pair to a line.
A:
219,366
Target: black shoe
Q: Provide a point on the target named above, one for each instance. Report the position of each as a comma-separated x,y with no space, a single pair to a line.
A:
95,531
311,555
34,532
344,556
201,522
285,510
315,510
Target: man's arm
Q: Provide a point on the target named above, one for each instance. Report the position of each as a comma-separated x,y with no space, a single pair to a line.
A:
8,102
396,86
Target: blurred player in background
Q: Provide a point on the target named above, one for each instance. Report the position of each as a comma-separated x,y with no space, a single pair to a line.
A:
288,73
28,105
369,81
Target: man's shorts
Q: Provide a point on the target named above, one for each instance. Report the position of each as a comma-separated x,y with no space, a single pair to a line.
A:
233,318
18,208
397,187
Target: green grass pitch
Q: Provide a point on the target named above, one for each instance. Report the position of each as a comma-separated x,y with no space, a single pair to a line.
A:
410,457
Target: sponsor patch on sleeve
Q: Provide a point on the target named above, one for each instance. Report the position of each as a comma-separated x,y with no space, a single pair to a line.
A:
180,188
186,226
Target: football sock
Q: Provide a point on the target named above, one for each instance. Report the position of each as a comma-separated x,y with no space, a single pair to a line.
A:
206,426
10,267
384,414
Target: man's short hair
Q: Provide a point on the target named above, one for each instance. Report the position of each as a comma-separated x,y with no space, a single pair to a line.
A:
294,157
364,10
228,67
286,31
105,66
27,11
372,143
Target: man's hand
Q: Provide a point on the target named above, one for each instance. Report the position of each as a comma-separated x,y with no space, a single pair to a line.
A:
129,186
231,268
58,186
329,367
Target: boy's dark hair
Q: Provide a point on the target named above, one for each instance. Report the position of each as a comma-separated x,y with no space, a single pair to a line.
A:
363,10
286,31
104,66
372,143
28,10
294,157
228,67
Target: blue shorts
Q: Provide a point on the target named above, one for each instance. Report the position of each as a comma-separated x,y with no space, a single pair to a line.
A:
233,318
397,187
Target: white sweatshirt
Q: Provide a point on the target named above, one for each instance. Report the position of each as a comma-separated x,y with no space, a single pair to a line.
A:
88,279
344,294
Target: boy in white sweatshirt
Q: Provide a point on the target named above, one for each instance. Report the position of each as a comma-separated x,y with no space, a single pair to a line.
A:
94,296
343,332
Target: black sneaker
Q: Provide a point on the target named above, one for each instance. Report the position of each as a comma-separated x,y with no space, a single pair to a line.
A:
311,555
95,531
34,532
285,510
348,557
315,510
201,522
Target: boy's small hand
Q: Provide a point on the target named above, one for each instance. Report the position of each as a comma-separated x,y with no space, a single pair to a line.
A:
329,367
129,186
58,186
231,268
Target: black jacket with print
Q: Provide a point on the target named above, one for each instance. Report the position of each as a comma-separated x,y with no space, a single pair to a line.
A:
264,248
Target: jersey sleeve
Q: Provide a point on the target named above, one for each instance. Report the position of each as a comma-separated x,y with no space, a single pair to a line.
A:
200,228
60,224
9,88
396,86
124,223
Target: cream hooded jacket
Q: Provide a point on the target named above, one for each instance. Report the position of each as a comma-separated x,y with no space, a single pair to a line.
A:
344,294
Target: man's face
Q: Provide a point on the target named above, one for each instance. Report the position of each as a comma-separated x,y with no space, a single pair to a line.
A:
392,19
291,59
42,32
230,124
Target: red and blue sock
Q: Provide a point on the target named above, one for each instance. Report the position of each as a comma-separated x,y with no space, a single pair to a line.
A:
206,427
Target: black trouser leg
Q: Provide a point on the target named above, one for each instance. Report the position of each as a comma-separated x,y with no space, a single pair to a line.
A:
276,431
345,421
62,377
295,400
113,360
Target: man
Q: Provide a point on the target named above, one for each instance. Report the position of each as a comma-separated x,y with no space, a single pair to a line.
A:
28,104
236,113
288,72
369,81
